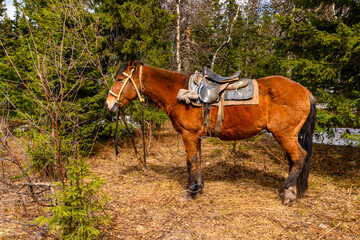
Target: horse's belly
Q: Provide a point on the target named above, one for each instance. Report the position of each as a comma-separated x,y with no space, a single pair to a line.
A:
240,122
237,133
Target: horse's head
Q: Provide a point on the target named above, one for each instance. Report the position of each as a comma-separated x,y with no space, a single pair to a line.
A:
127,86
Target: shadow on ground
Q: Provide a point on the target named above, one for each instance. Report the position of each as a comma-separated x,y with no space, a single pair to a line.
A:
338,163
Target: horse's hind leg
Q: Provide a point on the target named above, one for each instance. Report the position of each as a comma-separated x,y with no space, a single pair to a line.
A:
297,142
296,165
193,160
296,156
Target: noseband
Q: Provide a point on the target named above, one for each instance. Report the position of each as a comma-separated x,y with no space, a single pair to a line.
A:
130,77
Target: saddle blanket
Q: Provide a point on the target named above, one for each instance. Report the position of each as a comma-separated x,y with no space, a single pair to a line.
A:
241,92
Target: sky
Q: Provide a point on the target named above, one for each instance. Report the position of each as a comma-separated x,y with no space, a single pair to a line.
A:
10,8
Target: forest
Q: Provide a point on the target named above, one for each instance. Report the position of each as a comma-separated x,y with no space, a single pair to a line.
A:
58,60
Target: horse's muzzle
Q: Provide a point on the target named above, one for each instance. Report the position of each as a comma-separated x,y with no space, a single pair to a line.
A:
113,107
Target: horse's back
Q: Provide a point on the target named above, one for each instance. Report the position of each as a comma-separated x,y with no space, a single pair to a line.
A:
282,88
288,102
283,103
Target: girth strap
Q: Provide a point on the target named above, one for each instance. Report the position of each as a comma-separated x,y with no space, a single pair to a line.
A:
220,116
206,122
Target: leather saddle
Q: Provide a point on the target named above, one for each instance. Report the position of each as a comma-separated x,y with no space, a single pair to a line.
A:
212,85
220,79
207,88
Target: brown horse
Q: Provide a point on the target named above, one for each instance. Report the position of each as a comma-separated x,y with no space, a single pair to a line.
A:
286,109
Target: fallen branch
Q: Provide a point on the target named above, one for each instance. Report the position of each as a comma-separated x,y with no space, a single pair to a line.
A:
23,224
39,184
272,154
42,229
184,191
132,142
329,231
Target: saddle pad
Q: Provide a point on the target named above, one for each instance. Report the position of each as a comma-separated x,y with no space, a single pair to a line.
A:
252,101
248,95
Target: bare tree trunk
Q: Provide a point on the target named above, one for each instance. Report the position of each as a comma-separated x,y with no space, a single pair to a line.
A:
178,60
228,39
186,59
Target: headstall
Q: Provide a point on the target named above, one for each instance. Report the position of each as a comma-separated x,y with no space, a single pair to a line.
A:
130,77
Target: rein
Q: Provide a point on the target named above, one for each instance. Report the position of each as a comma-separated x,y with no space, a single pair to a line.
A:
141,98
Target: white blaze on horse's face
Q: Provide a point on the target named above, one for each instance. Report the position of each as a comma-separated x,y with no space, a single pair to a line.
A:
115,98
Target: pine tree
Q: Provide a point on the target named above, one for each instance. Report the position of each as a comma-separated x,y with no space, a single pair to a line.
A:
319,47
136,29
2,9
79,209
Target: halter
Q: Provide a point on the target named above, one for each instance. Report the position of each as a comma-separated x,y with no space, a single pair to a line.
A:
141,98
130,77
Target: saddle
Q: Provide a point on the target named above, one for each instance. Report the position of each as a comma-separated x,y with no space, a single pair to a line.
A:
220,79
209,88
211,85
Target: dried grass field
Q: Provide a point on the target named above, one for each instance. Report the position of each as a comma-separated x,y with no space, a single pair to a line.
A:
240,199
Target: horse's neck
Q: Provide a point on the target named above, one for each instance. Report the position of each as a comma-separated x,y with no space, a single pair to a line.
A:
162,86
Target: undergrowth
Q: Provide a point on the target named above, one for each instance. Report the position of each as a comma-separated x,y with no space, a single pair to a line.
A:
79,209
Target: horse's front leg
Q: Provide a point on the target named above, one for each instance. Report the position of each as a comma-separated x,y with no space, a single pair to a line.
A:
193,160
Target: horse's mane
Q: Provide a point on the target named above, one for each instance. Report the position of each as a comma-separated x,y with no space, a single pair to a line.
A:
124,66
122,69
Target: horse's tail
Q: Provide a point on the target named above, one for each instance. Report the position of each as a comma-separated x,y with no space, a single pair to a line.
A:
305,138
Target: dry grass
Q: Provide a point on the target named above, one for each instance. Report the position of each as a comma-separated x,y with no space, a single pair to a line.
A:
240,200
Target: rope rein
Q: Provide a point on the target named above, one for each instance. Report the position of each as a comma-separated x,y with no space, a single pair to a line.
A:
129,77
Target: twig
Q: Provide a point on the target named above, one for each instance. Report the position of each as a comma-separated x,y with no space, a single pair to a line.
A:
229,151
272,154
329,231
184,191
228,38
23,224
143,135
39,184
353,230
111,223
132,142
44,231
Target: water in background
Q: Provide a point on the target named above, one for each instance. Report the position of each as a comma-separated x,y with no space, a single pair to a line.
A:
323,138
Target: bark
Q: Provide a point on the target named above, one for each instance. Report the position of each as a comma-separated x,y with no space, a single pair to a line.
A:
228,38
178,60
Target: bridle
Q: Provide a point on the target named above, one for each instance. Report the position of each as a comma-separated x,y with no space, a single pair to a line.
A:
141,98
130,77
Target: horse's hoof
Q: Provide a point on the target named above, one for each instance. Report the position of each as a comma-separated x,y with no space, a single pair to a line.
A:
186,197
289,196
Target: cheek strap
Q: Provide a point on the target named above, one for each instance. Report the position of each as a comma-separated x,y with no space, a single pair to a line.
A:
129,77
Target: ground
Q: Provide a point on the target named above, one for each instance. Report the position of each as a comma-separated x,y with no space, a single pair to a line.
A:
241,198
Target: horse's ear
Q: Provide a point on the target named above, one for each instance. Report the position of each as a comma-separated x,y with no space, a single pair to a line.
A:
131,63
